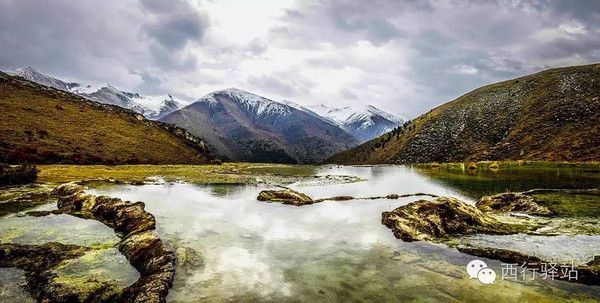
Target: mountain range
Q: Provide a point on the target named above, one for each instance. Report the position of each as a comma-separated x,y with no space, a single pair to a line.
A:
241,126
41,124
152,107
553,115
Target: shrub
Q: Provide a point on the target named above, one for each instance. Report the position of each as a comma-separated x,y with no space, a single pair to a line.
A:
26,154
22,174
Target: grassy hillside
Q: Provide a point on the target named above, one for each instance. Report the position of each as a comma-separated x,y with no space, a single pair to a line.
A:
44,125
552,115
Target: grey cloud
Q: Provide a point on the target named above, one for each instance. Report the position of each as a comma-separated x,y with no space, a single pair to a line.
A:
115,41
173,34
440,43
348,94
275,85
586,46
177,23
369,18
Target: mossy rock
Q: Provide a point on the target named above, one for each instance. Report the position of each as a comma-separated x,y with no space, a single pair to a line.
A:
286,196
512,202
439,219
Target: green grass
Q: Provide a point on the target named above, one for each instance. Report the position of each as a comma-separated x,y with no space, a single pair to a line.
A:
228,173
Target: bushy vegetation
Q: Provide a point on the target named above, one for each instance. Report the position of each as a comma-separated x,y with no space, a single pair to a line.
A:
21,174
31,154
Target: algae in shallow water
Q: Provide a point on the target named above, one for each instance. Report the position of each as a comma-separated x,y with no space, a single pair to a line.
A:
20,198
571,204
102,264
65,229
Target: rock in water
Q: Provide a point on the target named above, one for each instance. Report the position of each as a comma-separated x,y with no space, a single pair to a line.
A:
512,202
436,219
286,196
144,250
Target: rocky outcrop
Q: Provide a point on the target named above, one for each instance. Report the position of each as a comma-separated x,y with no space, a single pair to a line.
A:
156,264
290,196
286,196
437,219
512,202
144,250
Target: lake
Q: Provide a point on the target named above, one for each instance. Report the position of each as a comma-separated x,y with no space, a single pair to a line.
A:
240,249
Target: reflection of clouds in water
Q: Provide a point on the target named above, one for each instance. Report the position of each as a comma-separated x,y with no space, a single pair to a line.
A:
253,222
367,240
330,211
238,266
381,181
281,230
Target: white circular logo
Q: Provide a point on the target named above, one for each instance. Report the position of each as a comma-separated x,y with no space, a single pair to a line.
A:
477,269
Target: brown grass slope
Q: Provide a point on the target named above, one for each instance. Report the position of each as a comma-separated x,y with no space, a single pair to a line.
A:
553,115
46,125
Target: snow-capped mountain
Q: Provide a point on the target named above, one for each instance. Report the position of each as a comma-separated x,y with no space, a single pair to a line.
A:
309,111
242,126
33,75
337,114
364,123
370,122
153,107
251,103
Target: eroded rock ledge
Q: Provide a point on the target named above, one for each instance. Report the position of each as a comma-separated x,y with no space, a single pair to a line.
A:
292,197
155,262
145,251
425,220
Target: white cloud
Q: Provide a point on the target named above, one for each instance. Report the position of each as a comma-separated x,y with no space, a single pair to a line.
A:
465,69
403,56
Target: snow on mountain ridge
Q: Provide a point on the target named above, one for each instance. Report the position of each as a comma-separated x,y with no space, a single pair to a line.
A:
365,123
339,115
152,107
254,103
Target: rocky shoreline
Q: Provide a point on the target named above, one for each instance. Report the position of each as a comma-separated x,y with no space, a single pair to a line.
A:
445,220
146,252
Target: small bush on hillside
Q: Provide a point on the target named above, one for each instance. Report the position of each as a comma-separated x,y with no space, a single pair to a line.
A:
22,174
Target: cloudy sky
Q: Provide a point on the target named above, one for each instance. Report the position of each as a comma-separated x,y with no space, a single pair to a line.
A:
403,56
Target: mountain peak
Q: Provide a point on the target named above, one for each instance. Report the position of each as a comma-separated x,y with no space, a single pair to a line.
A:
152,107
254,103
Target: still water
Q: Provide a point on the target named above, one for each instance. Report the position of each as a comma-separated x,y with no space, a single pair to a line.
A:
339,251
